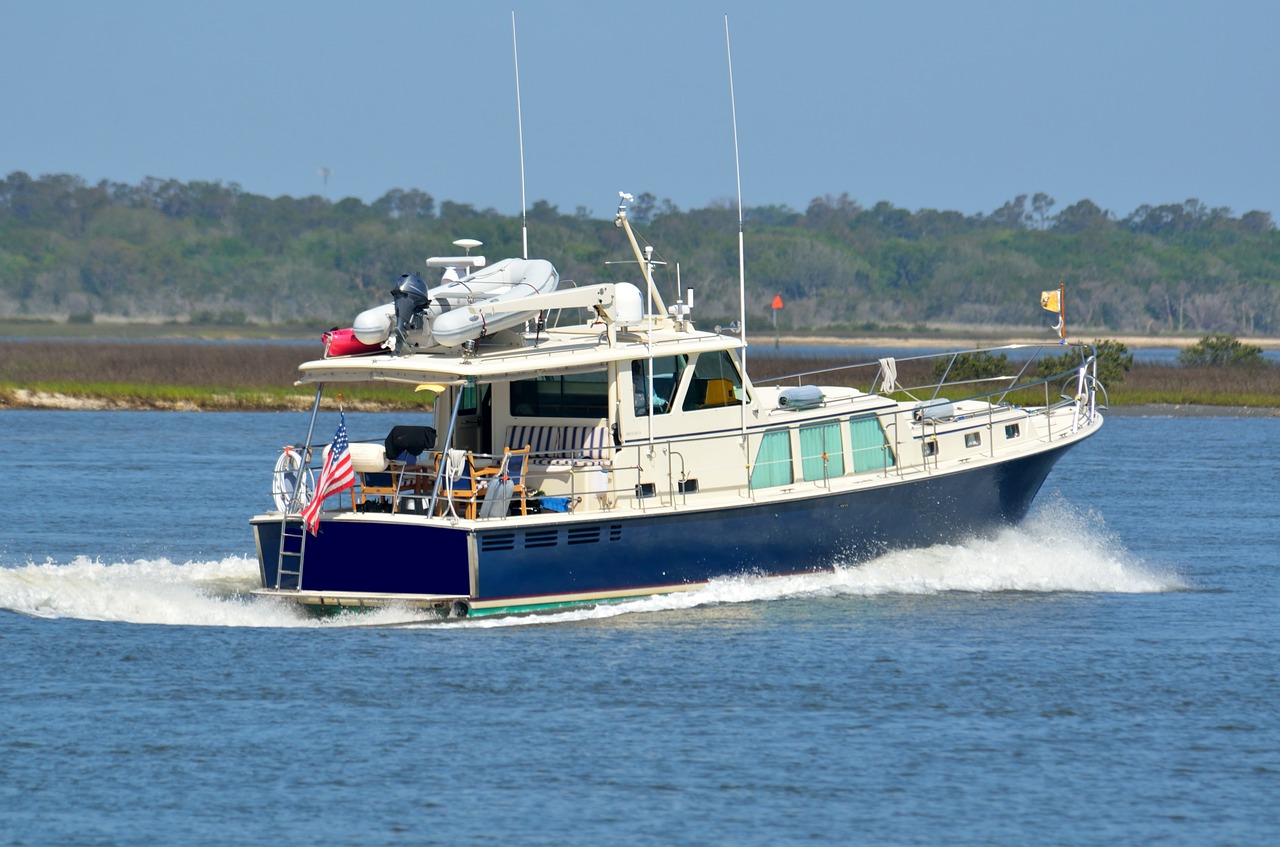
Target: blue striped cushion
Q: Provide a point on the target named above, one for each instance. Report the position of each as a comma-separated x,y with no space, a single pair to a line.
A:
562,445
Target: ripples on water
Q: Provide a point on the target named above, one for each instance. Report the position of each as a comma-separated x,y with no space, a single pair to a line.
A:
1104,673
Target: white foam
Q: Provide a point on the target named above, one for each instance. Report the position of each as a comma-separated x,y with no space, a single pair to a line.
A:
158,591
1058,549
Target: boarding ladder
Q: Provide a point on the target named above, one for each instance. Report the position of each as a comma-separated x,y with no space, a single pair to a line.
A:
293,546
293,536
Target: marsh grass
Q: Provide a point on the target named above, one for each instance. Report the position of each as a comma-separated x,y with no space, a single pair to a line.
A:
243,376
1205,386
252,376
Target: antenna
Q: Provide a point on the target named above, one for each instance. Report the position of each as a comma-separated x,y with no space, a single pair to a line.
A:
737,169
742,268
524,217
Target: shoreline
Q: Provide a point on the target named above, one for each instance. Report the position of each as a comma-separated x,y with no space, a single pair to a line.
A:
25,399
50,401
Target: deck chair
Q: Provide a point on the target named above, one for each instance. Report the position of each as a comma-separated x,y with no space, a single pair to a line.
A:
377,477
516,462
506,482
459,483
419,474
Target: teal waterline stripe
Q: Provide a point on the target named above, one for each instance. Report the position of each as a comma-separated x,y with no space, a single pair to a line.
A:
549,607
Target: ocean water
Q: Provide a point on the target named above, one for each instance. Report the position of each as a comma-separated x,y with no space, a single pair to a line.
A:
1106,673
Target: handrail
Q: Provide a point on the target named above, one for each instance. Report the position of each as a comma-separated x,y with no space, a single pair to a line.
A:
1040,350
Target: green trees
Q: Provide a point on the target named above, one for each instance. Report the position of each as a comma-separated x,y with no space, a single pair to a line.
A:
170,250
1114,361
1221,351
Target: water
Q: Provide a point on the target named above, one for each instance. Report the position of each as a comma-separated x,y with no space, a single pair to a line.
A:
1106,673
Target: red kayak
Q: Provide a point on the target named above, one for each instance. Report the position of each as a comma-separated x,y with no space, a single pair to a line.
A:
343,342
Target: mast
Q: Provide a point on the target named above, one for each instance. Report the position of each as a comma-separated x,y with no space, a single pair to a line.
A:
645,260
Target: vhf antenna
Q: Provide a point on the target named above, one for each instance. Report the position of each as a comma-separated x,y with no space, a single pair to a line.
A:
524,217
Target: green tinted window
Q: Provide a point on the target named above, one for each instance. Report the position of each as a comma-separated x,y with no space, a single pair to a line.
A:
773,460
821,453
870,448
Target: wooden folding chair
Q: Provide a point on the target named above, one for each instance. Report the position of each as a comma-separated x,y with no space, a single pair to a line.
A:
459,482
377,476
516,463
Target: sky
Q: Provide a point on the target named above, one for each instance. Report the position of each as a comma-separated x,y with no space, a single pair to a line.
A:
922,103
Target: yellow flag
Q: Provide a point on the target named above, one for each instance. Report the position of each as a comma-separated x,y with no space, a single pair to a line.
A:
1049,301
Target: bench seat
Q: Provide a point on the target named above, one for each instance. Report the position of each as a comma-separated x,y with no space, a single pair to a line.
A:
562,445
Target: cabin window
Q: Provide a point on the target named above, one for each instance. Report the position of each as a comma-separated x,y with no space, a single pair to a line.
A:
1012,430
821,453
471,395
870,448
666,379
931,447
715,383
773,460
582,395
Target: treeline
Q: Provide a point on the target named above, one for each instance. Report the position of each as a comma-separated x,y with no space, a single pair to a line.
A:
207,253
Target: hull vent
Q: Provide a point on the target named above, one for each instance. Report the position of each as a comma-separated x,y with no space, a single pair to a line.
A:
498,541
542,538
583,535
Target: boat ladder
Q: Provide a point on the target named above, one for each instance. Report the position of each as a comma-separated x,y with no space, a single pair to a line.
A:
293,536
293,544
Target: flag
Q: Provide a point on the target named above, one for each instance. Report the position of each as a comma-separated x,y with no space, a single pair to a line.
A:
1051,301
337,475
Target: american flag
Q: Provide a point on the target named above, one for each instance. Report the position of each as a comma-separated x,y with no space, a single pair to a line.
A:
337,475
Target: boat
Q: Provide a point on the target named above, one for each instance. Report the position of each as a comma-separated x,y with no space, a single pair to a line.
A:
592,444
418,318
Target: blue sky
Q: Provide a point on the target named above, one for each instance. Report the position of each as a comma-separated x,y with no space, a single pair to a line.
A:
928,104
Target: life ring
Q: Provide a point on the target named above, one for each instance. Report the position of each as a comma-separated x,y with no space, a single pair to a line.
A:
289,473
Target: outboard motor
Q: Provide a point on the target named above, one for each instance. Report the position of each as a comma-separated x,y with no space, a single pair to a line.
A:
410,298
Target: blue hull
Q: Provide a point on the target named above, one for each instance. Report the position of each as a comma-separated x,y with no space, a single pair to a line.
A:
637,553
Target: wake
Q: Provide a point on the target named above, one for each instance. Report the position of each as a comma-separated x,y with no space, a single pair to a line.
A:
1058,549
